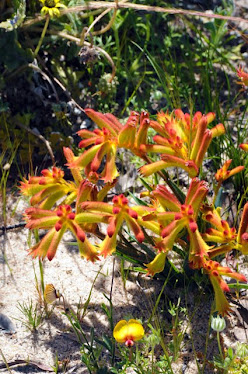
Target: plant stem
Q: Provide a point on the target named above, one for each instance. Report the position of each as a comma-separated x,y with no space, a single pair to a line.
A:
219,346
42,35
130,354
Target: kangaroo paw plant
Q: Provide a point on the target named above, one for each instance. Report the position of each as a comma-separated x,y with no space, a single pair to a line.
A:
165,215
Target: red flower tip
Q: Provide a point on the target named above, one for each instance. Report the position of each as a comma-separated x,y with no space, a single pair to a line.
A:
193,226
146,121
71,215
140,237
224,286
115,199
124,200
245,237
164,232
190,211
208,216
132,213
178,216
81,235
45,173
58,226
81,144
42,181
110,231
116,210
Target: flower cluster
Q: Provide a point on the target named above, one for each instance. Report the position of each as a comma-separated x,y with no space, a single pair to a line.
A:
163,215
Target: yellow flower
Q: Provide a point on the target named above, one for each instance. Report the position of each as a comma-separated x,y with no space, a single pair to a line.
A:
128,332
51,7
157,264
51,294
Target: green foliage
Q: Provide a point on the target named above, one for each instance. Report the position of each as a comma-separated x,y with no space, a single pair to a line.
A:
33,315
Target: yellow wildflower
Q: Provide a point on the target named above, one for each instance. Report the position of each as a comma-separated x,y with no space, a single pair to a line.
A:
51,7
128,332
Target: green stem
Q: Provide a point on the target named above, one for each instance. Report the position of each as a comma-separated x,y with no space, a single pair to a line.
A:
42,283
42,35
219,346
216,192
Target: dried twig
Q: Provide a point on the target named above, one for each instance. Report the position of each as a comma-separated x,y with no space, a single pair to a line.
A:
77,41
147,8
39,136
38,364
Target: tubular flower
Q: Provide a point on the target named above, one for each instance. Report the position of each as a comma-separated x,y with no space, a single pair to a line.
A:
128,332
51,7
118,212
101,142
59,221
47,189
244,147
242,238
182,140
70,157
134,133
223,173
222,233
173,223
215,271
157,264
184,215
243,76
105,141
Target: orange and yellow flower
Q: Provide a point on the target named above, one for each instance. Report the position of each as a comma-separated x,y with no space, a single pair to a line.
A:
119,212
243,76
182,141
223,173
58,221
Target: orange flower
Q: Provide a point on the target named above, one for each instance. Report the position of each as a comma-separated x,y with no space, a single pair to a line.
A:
243,76
157,264
173,222
222,174
242,238
244,147
215,271
58,222
118,212
48,188
105,140
182,141
128,332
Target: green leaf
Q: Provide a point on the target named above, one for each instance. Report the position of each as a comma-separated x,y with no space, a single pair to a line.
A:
137,200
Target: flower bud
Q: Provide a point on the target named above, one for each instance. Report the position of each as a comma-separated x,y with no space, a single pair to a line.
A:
218,323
